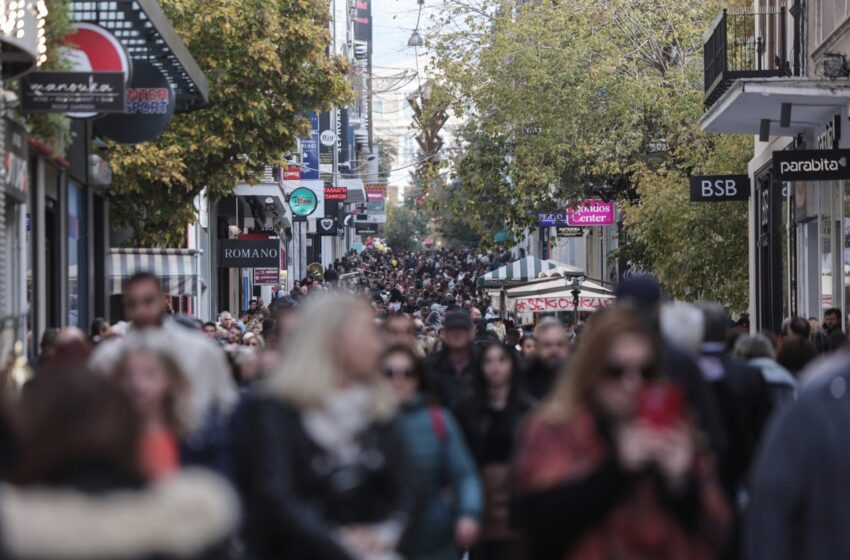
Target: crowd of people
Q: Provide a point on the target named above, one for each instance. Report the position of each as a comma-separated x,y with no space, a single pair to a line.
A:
386,410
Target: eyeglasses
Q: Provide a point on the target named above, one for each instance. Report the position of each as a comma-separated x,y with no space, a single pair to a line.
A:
618,371
391,372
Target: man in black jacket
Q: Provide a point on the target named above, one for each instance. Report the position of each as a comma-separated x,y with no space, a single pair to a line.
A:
742,396
450,369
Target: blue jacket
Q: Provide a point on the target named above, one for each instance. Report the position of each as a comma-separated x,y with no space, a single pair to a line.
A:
447,481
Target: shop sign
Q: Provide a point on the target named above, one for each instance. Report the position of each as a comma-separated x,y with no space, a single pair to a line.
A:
544,304
15,165
292,173
811,165
336,193
67,92
327,138
91,48
149,108
303,202
266,276
376,191
249,253
551,219
367,227
326,226
719,188
591,213
569,231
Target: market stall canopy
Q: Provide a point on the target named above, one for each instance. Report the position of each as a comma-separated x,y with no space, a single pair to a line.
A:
177,269
554,295
146,33
522,270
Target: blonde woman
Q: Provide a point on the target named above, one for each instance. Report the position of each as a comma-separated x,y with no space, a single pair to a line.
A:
319,457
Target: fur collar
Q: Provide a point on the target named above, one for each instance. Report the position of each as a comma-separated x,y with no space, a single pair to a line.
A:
180,517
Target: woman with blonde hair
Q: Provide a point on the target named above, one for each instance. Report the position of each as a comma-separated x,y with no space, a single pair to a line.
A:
610,465
320,462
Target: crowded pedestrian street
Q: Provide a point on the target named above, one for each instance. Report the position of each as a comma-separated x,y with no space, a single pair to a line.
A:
424,280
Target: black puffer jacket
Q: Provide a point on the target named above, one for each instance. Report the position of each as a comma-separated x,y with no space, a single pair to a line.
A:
295,496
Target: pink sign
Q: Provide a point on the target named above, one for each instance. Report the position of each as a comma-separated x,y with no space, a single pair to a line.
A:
591,213
542,304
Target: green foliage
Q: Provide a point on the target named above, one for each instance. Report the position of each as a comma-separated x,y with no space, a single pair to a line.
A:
405,228
563,96
266,63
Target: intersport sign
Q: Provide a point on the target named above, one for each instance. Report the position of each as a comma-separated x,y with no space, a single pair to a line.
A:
811,165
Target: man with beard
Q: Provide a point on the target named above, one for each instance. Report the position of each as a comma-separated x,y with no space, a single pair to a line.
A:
553,349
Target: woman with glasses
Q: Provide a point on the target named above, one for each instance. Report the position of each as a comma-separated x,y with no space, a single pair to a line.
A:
447,482
610,465
490,419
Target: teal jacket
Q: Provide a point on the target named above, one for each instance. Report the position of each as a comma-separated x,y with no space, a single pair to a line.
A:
447,480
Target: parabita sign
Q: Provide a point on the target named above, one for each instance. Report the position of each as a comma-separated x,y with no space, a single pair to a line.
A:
811,165
249,253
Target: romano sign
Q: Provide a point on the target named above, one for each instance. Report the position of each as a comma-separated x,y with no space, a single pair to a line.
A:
249,253
811,165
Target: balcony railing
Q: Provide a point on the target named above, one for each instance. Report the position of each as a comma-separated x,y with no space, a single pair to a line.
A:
744,45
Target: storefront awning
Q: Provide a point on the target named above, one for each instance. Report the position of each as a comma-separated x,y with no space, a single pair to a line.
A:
747,102
146,33
177,269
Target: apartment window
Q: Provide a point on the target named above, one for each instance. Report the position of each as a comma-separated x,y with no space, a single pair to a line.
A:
378,106
833,13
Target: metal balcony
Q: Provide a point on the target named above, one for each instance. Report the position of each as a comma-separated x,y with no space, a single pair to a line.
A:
744,45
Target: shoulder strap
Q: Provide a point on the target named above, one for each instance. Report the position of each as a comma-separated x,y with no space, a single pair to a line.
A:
438,422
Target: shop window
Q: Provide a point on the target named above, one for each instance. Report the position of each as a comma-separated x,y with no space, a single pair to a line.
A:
77,256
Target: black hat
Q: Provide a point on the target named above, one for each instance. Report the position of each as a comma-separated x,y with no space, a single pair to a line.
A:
458,319
642,291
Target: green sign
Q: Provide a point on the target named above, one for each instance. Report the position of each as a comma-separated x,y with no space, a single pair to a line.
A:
303,202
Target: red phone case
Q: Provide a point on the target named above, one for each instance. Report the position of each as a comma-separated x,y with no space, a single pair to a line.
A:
661,404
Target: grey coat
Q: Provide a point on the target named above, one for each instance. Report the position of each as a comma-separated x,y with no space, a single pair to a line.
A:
800,505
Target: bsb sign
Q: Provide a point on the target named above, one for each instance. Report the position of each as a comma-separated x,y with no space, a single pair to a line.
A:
249,253
811,165
719,188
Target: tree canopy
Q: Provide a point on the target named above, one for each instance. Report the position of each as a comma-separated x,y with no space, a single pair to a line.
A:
266,63
561,99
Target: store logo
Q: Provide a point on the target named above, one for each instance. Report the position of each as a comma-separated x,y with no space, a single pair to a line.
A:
327,223
327,138
811,165
719,188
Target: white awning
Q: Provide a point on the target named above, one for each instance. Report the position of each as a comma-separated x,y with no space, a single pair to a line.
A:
177,269
741,109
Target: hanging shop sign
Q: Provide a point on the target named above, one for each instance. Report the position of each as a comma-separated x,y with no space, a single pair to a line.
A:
551,219
719,188
326,226
361,227
303,202
376,191
72,92
148,110
336,193
591,213
91,48
266,276
249,253
16,179
811,165
327,138
569,231
292,173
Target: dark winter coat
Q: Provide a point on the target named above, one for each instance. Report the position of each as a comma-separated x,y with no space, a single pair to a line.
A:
801,486
96,515
293,495
450,387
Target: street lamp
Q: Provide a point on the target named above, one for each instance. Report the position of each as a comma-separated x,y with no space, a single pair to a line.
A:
415,40
576,292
